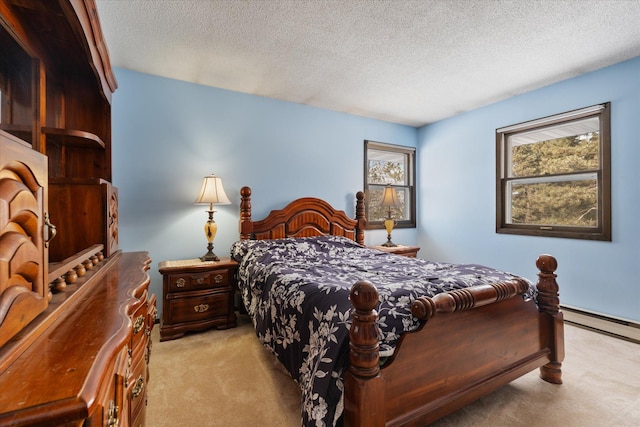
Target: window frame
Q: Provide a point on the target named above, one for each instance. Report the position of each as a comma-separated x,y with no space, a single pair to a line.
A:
410,186
602,230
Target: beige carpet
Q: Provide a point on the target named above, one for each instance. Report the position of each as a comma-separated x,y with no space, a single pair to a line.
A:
226,378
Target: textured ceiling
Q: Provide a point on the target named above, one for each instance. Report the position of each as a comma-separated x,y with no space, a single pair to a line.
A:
404,61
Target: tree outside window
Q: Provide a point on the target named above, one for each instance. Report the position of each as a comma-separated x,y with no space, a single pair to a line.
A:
553,176
387,164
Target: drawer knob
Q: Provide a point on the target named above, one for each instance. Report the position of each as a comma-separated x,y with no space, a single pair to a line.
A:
217,278
138,325
137,387
180,282
201,308
200,280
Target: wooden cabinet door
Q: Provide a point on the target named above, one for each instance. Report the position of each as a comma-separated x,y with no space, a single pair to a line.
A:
24,292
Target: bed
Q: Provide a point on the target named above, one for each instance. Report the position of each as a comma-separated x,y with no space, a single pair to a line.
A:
376,339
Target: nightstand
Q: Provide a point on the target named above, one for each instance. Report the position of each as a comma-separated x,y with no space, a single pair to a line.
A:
196,295
408,251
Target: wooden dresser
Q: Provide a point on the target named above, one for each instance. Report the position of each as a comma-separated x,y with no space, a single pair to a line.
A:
85,361
75,312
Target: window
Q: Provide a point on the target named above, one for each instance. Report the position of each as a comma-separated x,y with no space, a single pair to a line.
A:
554,176
387,164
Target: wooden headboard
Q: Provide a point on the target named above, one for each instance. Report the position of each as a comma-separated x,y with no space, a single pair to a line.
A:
303,217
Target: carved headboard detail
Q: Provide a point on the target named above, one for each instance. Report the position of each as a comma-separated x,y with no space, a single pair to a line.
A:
303,217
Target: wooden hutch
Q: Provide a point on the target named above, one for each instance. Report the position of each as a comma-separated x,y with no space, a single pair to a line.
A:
75,312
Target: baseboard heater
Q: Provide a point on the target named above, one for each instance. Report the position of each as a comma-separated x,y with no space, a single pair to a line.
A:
610,325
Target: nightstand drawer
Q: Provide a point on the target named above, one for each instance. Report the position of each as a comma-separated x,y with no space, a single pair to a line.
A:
193,281
197,306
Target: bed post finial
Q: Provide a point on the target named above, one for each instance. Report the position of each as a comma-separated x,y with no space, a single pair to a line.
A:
363,357
246,226
548,299
360,217
363,384
549,303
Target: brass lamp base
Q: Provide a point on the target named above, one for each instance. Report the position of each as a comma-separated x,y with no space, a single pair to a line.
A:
389,223
209,256
389,243
210,229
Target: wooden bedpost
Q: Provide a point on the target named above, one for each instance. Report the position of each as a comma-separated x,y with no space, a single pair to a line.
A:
549,303
360,217
246,226
363,385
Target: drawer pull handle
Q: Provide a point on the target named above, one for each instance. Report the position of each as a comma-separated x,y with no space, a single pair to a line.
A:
217,278
112,414
180,282
200,280
137,387
138,325
128,371
201,308
49,230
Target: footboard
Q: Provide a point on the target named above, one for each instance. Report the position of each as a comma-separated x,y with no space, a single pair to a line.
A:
471,342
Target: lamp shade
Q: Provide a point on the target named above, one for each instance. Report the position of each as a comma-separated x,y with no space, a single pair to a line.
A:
390,197
212,192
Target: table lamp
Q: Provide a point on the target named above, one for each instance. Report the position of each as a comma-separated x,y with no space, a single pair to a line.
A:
211,193
389,200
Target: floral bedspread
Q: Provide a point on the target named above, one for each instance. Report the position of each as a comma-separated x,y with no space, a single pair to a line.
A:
297,293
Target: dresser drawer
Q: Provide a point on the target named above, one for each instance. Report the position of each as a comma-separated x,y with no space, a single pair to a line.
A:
137,389
139,420
139,319
198,306
194,281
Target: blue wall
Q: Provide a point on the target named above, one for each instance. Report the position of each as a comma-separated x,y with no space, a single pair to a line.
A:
169,134
456,159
